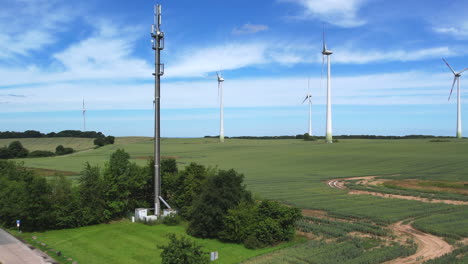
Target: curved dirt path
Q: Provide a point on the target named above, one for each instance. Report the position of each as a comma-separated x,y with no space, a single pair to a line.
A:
339,184
429,246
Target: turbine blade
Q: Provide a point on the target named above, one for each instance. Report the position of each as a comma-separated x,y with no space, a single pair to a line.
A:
453,85
323,32
304,100
463,70
449,66
308,85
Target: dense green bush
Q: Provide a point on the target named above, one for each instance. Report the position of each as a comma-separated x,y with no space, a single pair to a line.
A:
219,193
260,224
17,150
183,250
61,150
40,153
102,141
5,153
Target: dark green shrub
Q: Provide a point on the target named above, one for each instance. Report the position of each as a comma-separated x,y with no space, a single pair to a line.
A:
183,250
99,142
41,153
172,220
109,140
219,193
17,150
60,150
5,153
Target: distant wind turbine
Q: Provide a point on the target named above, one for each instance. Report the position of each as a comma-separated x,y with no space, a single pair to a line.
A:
309,98
456,79
326,52
84,116
220,97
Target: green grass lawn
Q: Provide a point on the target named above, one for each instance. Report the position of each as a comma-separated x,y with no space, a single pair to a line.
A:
294,171
125,242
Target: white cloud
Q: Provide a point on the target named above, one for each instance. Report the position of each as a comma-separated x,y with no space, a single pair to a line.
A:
102,56
459,31
347,56
249,29
29,26
377,89
343,13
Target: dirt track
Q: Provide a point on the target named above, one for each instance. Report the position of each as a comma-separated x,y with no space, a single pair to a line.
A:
429,246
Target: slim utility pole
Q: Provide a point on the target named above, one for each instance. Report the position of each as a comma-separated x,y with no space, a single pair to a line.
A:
158,45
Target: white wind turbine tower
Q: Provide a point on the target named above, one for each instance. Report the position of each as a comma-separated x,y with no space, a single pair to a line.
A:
84,116
309,98
326,52
456,79
220,97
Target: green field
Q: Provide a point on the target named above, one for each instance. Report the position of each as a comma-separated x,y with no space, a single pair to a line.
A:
126,242
49,144
295,171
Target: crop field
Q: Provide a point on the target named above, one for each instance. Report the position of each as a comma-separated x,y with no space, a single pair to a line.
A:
126,242
296,171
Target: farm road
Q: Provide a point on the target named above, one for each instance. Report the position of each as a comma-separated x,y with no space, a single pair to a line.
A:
429,246
13,251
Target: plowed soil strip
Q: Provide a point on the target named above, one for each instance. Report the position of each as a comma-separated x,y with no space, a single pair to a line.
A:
339,184
397,196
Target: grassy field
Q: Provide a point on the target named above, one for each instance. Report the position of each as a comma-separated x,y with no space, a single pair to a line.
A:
78,144
125,242
295,171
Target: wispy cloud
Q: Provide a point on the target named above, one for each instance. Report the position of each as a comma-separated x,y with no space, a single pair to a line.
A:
343,13
457,31
240,55
249,29
103,55
376,89
29,26
347,56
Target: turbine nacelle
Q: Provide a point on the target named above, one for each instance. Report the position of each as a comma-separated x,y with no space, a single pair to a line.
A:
220,78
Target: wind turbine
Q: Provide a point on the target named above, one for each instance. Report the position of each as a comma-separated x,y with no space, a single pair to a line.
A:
456,79
309,98
220,97
326,52
84,116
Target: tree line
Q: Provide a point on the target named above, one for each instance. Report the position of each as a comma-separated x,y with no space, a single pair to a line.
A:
307,137
64,133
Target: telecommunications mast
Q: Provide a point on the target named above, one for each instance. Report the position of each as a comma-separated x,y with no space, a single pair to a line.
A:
157,44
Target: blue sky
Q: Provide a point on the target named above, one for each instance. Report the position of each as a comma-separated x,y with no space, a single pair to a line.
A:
387,74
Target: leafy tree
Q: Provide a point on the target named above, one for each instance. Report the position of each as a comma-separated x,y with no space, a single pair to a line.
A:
183,250
123,181
187,187
239,223
109,140
99,142
91,195
5,153
17,150
66,211
38,205
221,192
